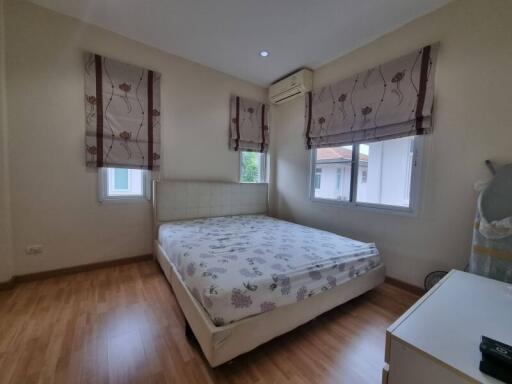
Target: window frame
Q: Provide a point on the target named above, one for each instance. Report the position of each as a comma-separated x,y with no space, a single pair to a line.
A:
103,183
263,167
415,192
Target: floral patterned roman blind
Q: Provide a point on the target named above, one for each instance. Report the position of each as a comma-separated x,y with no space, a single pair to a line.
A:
122,104
389,101
248,130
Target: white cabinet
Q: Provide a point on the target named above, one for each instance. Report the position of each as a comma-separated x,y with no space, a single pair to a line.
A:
437,340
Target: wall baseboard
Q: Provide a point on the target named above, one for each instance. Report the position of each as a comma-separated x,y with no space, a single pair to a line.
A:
405,286
70,270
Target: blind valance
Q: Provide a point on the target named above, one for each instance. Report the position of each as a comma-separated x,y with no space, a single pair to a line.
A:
248,127
122,104
389,101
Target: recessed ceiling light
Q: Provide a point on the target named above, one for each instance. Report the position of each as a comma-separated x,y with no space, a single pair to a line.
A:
263,53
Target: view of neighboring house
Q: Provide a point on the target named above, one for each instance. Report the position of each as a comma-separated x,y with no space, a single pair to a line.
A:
333,172
383,172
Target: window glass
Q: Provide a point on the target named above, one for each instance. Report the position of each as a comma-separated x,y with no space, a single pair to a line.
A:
364,176
385,170
123,182
252,167
121,179
318,178
338,179
333,173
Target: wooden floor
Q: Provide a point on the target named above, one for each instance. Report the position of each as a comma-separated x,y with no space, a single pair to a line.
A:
123,325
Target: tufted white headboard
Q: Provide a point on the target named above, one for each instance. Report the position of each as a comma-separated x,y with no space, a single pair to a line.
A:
178,200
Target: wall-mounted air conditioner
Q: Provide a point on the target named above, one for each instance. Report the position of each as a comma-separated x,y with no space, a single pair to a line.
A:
292,86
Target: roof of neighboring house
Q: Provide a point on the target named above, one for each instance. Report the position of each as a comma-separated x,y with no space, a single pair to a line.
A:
337,153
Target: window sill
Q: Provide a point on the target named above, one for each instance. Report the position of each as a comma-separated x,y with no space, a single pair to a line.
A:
367,207
122,200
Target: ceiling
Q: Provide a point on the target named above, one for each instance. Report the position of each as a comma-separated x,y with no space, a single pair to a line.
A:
229,34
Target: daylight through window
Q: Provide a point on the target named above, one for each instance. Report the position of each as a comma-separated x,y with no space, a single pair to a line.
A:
122,184
377,173
252,167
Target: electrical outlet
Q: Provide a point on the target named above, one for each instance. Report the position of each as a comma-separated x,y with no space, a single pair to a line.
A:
34,249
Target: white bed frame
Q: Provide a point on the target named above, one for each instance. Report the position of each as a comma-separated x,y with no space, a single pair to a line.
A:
177,200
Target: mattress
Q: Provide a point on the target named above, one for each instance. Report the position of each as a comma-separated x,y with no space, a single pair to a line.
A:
240,266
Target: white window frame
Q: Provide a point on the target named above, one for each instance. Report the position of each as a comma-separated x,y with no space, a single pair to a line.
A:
415,192
104,197
263,169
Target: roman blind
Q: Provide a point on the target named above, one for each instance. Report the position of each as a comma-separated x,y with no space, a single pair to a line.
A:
389,101
248,127
122,107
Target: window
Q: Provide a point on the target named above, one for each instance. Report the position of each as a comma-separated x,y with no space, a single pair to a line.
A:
338,179
379,174
318,178
252,167
364,176
123,184
334,166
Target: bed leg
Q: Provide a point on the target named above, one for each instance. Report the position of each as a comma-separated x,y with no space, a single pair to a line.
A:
189,333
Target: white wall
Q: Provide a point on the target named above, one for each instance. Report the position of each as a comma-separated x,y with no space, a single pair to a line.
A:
6,267
472,123
54,200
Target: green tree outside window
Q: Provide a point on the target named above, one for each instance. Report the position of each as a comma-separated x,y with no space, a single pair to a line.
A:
250,167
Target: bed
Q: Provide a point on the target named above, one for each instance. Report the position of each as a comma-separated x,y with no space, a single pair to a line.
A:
241,277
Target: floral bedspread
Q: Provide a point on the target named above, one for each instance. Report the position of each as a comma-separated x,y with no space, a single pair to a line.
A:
239,266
